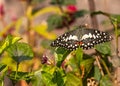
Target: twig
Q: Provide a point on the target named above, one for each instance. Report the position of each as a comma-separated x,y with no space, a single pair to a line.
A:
99,66
114,22
106,68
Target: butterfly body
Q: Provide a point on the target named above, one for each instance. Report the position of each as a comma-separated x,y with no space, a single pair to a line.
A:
84,37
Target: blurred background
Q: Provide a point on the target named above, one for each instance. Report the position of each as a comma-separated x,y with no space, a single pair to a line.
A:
39,22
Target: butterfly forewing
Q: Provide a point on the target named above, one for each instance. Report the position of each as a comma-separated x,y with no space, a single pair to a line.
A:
83,37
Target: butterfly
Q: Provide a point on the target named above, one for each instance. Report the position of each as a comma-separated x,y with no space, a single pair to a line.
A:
85,38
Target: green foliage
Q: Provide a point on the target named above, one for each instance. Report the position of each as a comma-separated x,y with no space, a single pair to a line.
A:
60,55
68,68
54,21
20,76
105,81
97,74
104,48
64,2
20,52
72,80
2,66
80,13
8,42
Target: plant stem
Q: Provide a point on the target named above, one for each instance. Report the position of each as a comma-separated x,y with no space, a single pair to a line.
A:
106,68
17,66
114,22
99,66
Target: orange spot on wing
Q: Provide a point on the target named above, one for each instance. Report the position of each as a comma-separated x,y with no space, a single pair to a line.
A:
79,43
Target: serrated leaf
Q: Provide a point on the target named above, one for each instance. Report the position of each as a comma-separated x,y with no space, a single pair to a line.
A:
105,81
8,42
72,80
104,48
2,66
20,52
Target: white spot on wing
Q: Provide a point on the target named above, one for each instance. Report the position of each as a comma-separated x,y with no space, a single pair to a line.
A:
94,36
87,36
72,38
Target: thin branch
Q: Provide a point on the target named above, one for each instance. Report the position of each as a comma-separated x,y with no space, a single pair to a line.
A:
114,22
99,66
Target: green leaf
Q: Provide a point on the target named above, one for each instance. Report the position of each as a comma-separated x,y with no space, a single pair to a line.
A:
104,48
37,1
58,77
97,74
8,42
73,80
80,13
105,81
42,30
2,66
37,79
54,21
20,52
88,65
47,75
79,55
69,2
56,2
60,55
20,76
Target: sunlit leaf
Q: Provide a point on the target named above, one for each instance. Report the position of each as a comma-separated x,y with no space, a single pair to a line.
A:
8,42
73,80
20,52
46,10
47,75
42,30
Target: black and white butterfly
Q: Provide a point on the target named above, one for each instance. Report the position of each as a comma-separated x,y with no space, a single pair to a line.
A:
86,38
